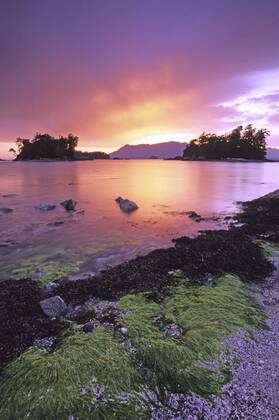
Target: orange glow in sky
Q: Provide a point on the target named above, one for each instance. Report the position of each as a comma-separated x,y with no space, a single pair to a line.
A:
145,72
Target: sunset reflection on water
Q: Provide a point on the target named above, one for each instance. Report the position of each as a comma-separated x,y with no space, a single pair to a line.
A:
103,233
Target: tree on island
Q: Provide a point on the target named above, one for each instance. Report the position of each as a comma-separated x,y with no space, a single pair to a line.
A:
246,143
44,146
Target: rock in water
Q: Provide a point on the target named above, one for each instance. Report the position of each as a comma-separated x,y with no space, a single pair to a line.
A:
126,205
46,207
194,216
53,306
9,195
69,205
5,210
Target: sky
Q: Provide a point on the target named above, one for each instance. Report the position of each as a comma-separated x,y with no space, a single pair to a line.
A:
137,71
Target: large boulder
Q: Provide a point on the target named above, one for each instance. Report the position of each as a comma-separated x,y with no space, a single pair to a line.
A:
127,206
69,205
54,306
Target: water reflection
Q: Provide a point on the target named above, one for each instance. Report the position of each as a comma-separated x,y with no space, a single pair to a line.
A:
104,231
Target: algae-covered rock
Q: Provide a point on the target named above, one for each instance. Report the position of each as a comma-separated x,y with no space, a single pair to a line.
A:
90,326
81,313
54,306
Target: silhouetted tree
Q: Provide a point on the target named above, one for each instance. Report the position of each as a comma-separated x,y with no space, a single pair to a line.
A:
248,143
12,150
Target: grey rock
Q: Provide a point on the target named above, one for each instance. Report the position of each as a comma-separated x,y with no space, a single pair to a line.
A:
89,326
46,343
97,390
46,207
124,330
54,306
5,210
49,287
173,330
69,205
127,206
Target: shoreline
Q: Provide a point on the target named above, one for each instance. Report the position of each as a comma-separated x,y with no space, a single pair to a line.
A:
229,160
139,302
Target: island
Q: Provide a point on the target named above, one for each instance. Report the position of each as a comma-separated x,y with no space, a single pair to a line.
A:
241,143
46,147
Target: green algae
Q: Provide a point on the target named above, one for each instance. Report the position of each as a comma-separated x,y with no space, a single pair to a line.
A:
64,383
270,250
45,271
43,385
204,315
42,267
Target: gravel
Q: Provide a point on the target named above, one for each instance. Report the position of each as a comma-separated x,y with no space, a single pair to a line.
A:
253,392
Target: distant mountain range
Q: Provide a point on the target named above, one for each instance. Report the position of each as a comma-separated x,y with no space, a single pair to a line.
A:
272,154
170,149
166,150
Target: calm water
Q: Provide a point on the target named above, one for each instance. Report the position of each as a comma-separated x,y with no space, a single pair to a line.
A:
103,235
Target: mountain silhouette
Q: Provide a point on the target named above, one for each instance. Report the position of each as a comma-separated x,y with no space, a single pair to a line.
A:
165,150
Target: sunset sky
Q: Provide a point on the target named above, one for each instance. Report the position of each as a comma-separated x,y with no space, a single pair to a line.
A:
137,71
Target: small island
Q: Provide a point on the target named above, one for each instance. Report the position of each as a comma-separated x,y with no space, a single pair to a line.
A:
47,147
242,143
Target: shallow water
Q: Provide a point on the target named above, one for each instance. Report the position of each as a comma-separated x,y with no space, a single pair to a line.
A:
31,243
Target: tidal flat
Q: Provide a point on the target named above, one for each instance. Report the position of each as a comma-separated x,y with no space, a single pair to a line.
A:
168,335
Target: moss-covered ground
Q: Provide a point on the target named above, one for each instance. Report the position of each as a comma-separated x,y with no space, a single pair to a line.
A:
102,375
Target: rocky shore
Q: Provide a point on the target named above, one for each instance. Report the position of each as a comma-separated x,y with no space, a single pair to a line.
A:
101,347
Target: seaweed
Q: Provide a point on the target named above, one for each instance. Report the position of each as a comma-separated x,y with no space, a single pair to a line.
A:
261,216
213,252
22,320
102,375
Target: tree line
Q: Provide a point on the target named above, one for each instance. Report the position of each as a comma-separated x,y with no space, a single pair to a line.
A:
79,155
242,142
